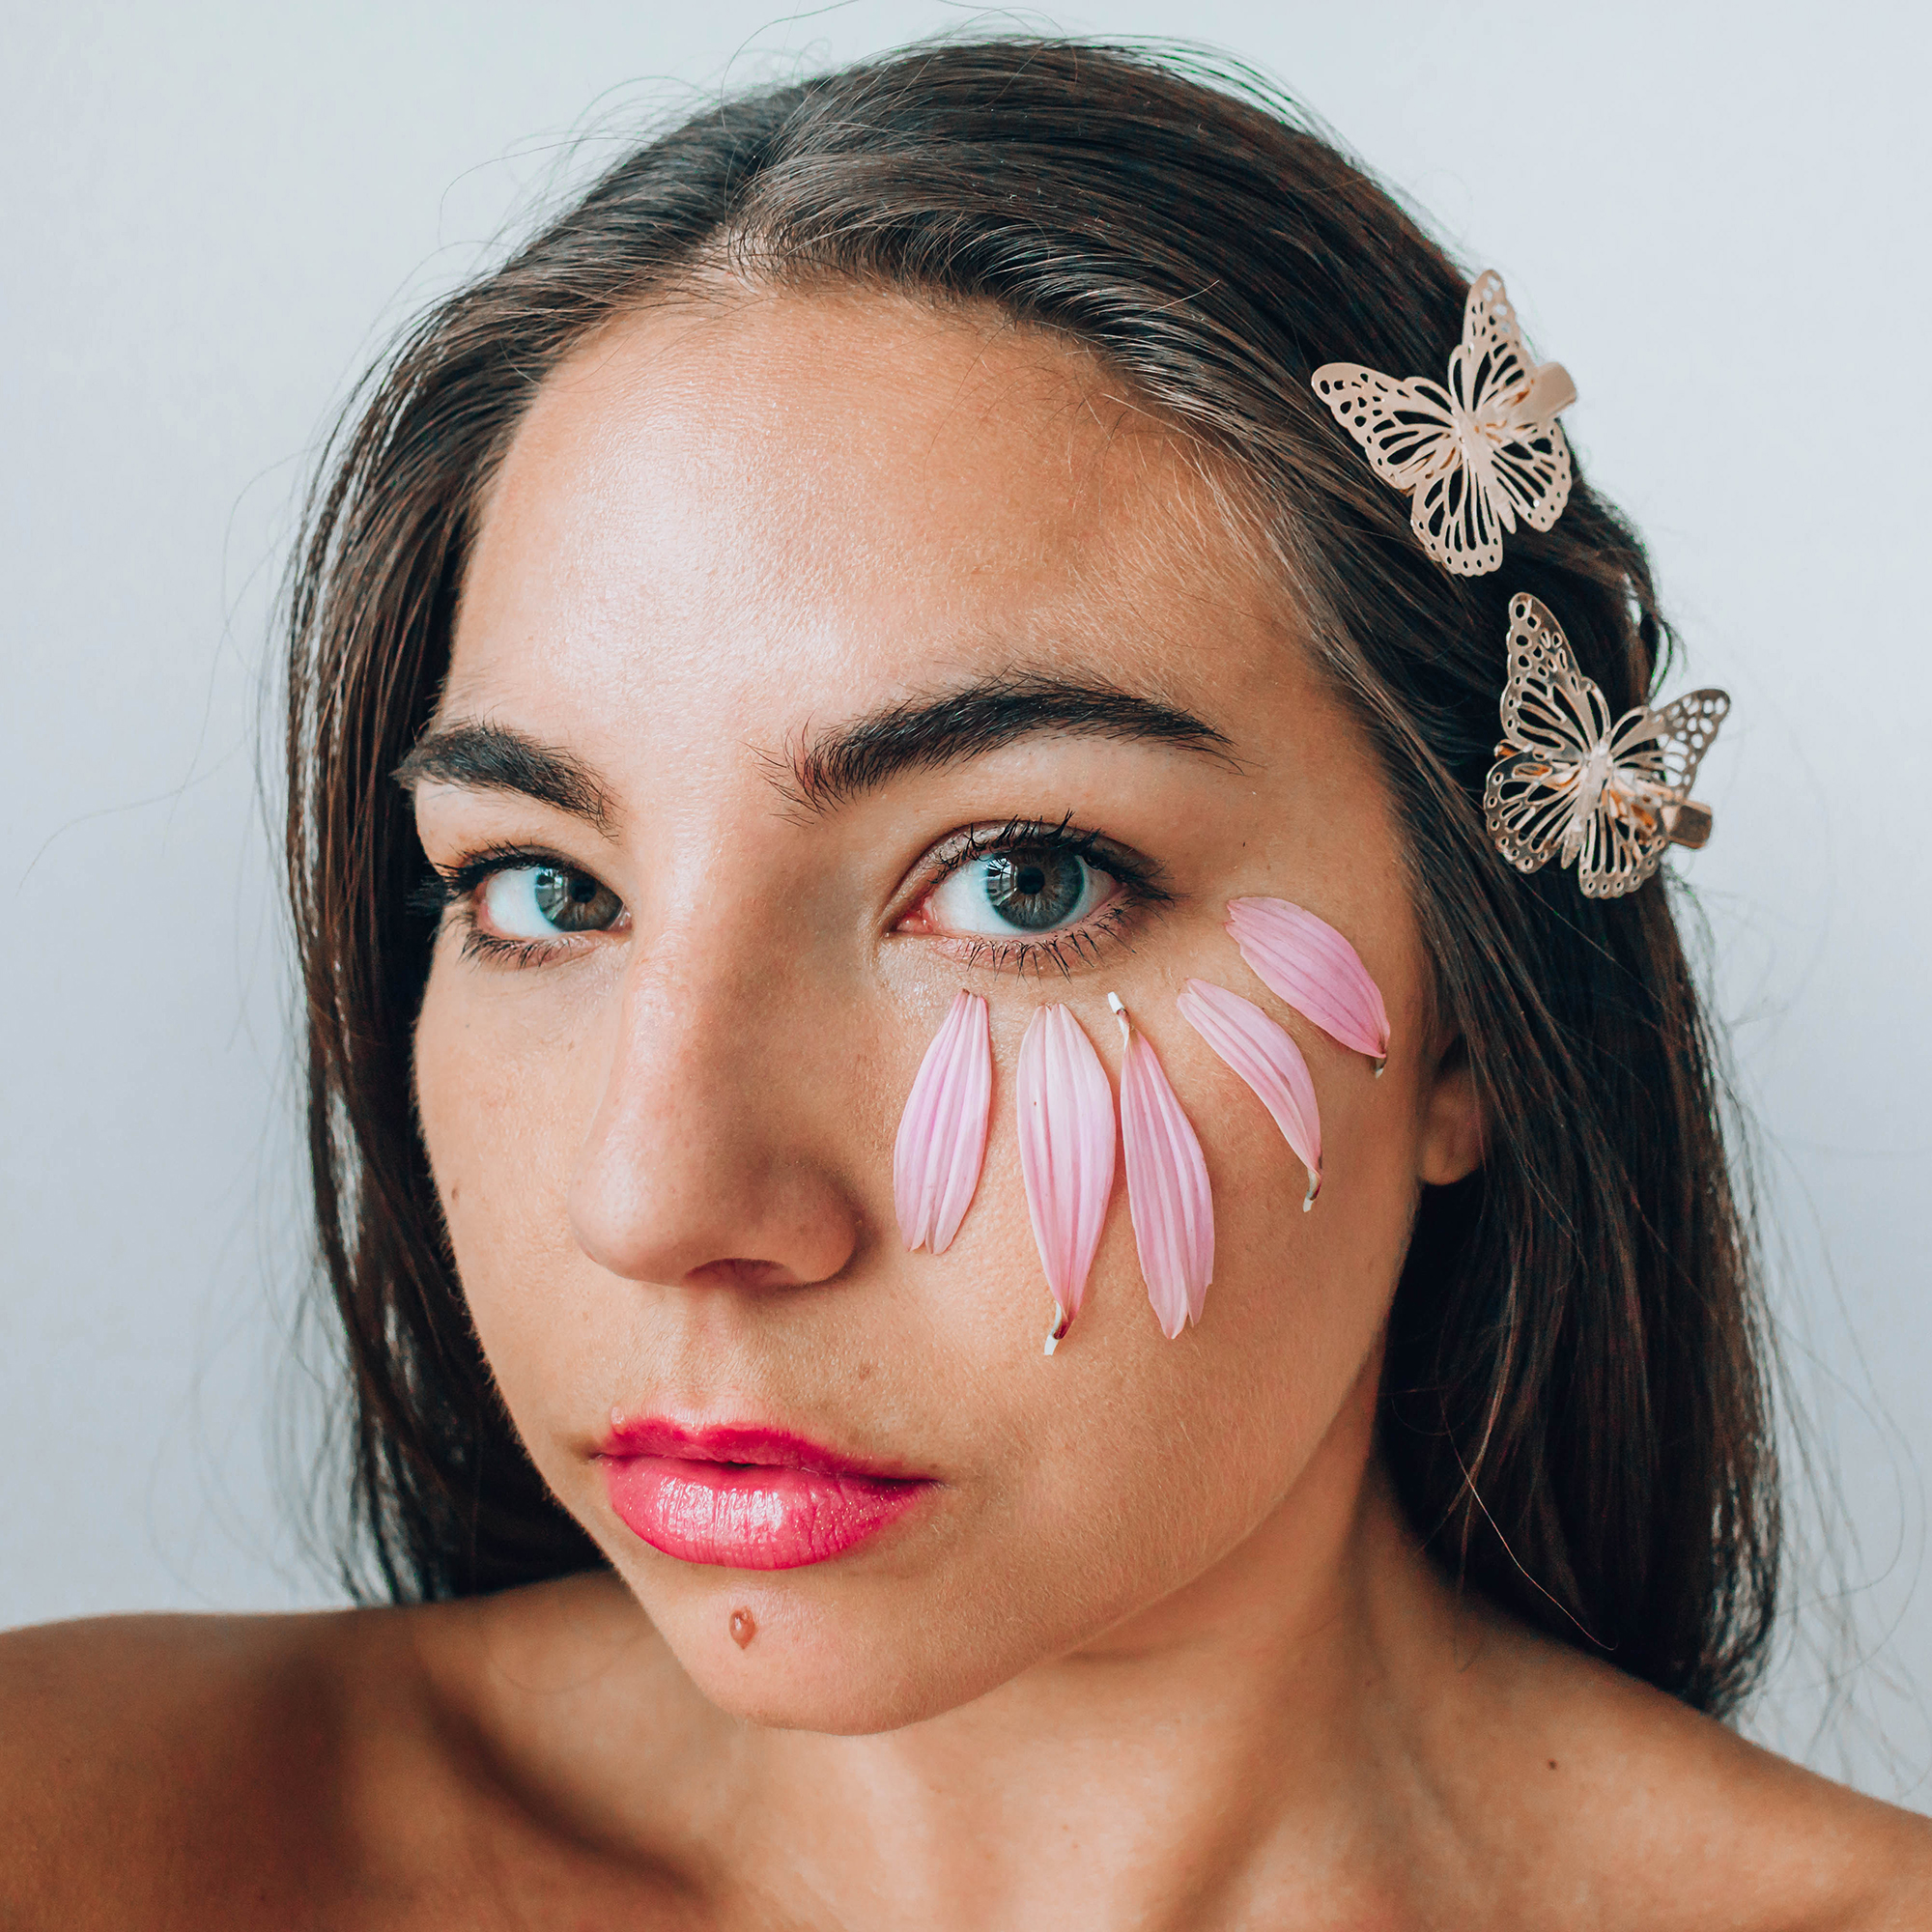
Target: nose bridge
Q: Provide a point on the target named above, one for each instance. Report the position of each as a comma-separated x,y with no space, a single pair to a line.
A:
707,932
699,1152
689,1027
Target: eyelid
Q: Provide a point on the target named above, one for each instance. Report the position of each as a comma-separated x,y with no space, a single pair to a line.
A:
446,884
972,841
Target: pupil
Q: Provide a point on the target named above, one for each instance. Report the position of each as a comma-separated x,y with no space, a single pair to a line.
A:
1034,889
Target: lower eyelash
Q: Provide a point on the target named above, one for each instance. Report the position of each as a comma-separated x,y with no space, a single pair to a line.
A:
1065,950
480,945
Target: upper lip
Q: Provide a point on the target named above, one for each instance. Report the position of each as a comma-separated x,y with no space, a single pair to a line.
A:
742,1442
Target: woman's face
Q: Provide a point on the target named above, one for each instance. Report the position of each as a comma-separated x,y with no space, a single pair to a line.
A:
774,603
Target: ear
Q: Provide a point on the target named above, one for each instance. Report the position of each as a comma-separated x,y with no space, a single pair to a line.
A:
1450,1146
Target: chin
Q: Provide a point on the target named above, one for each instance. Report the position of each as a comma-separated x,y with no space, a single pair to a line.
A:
860,1657
839,1703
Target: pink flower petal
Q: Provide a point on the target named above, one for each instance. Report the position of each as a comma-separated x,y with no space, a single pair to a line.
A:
1268,1060
1305,962
1167,1195
1066,1152
942,1139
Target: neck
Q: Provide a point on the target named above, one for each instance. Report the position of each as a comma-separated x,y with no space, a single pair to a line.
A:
1275,1691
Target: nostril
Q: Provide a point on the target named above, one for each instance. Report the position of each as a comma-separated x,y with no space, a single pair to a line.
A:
739,1273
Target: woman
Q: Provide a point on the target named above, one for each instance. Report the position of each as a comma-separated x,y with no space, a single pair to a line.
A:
888,729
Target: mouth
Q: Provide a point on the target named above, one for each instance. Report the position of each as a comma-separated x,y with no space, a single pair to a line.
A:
746,1498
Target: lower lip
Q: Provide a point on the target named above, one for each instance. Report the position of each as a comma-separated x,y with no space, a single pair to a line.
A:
751,1516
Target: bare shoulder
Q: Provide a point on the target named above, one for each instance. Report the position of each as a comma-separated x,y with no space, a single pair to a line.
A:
296,1771
1668,1818
150,1761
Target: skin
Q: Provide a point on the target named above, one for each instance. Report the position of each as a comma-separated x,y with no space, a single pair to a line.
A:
1160,1650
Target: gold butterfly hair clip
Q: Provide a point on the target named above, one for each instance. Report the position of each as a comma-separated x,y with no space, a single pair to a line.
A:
1475,455
1571,784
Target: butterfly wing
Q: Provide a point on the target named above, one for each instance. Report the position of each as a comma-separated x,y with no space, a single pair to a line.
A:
1677,737
1492,375
1548,704
1623,844
1554,718
1531,474
1491,368
1654,760
1459,520
1405,428
1529,804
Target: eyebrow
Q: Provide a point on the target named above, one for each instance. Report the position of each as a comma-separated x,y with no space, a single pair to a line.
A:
841,764
492,757
926,734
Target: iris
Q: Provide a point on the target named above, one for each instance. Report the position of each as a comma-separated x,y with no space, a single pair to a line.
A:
1035,887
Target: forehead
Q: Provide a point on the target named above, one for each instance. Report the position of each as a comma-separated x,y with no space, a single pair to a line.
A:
842,485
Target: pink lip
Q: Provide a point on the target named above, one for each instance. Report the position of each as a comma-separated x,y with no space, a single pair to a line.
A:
746,1498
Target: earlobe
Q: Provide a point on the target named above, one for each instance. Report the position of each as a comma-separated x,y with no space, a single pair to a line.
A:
1453,1128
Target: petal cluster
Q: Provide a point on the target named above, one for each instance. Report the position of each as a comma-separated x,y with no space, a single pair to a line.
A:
1067,1152
1265,1056
1304,963
1167,1195
1069,1129
942,1137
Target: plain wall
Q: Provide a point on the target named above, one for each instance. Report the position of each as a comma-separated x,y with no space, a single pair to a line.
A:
215,214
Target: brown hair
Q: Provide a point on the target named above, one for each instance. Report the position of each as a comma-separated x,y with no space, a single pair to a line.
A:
1574,1405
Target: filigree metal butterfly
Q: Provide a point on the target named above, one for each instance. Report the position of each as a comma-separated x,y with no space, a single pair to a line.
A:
1476,455
1571,784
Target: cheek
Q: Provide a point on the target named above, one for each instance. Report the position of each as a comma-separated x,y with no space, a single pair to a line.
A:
503,1091
1155,1458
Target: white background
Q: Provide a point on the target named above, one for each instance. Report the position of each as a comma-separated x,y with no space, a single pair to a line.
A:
213,215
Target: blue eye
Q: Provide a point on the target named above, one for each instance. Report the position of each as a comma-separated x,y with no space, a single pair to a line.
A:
544,903
1022,890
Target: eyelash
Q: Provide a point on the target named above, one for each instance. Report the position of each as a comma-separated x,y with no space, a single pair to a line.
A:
448,893
449,896
1140,885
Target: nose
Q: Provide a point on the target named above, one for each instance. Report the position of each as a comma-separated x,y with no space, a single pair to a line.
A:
712,1158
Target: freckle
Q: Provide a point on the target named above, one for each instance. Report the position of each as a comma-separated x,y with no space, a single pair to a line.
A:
743,1628
1552,1764
865,1371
